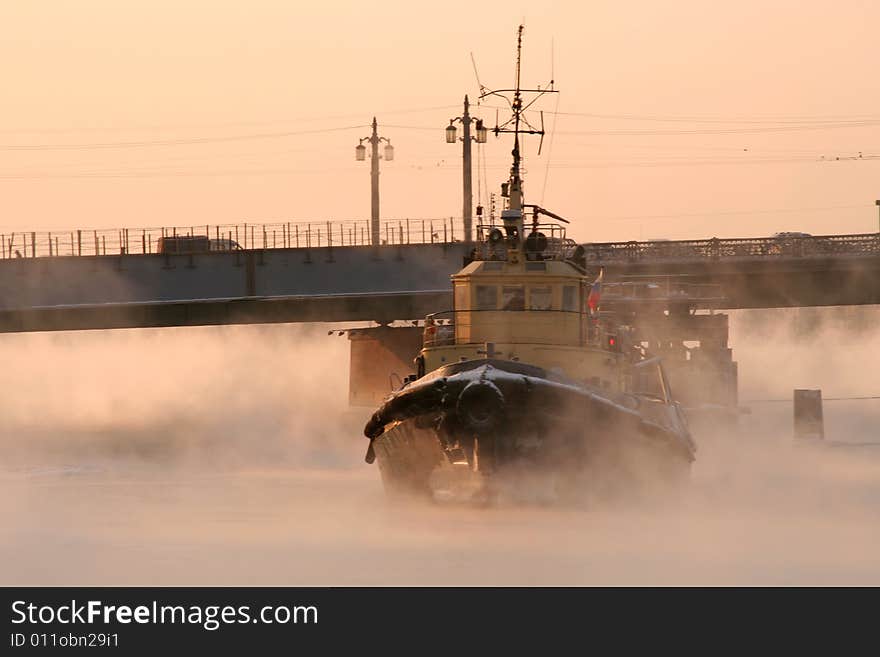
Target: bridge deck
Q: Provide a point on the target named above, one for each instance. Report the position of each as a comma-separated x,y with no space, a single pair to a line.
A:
401,281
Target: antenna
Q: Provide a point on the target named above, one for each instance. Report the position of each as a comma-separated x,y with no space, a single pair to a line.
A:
518,123
541,143
477,75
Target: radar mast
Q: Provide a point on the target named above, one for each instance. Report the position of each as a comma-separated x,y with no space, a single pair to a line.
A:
517,125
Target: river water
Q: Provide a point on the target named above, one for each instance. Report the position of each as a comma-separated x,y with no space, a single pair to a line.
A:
227,456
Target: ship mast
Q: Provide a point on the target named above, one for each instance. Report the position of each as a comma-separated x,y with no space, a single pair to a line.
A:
515,201
518,125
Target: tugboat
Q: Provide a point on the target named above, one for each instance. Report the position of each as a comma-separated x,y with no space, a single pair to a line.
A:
525,376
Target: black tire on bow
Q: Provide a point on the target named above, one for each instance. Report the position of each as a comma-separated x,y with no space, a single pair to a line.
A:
480,407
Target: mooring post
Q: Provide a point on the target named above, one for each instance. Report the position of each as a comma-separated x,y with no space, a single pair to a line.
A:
808,419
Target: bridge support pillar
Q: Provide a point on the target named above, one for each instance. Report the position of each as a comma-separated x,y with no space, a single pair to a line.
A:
697,359
381,358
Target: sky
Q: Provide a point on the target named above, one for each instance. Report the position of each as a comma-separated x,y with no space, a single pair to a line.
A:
677,120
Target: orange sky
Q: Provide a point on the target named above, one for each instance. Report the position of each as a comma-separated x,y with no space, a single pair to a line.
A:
720,114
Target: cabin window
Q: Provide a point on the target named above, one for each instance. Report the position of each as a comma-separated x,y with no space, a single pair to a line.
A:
569,298
487,297
513,297
540,298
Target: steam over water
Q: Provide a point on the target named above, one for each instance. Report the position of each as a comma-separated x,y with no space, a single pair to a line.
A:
228,456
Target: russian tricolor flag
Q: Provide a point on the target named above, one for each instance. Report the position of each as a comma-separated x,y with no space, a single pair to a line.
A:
595,293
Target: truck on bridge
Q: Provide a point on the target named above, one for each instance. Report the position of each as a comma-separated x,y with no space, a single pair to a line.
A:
192,244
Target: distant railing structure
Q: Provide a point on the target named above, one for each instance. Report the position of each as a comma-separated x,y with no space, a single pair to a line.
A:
228,237
598,254
662,289
356,232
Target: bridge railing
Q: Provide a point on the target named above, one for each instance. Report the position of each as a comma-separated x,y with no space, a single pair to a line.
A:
662,289
225,237
784,246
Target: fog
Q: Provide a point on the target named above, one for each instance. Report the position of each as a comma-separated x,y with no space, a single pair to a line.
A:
227,455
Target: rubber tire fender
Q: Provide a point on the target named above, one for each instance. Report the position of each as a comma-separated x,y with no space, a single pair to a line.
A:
480,406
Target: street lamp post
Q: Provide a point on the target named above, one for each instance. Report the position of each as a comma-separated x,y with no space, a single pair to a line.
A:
468,200
361,155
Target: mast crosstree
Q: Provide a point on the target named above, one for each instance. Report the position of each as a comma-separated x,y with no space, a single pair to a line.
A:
517,125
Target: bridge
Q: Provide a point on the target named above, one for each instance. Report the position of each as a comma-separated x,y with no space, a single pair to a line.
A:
768,272
319,271
325,272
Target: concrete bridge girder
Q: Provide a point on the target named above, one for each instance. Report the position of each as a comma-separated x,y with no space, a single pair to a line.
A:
281,285
357,284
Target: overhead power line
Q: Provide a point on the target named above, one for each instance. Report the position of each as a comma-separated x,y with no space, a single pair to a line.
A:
733,212
727,131
797,127
742,120
824,399
157,170
228,124
413,127
762,120
167,173
172,142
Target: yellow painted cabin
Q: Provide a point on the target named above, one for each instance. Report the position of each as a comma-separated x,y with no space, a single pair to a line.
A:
533,311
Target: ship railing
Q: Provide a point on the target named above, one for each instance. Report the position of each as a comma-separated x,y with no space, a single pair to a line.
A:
649,379
439,329
555,247
202,238
601,253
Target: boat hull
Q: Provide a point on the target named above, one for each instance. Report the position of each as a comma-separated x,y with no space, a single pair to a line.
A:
472,425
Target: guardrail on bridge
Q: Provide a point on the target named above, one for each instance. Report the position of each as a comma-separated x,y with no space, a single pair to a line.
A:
799,247
226,237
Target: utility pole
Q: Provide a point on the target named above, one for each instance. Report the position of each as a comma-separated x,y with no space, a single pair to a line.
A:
467,189
374,184
360,154
466,171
